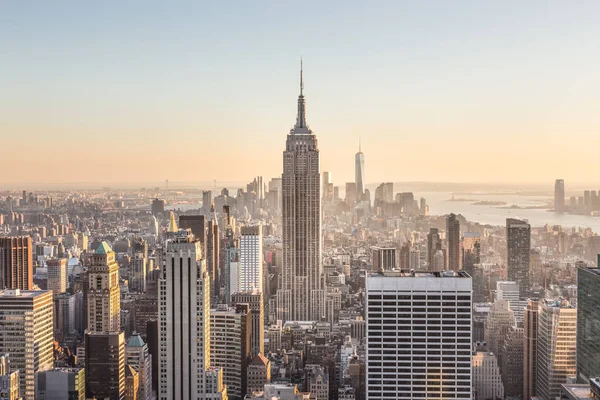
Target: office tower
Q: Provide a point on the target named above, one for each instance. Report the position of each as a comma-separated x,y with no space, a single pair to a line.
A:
588,324
158,207
487,381
499,320
434,245
230,333
453,238
9,380
389,192
184,320
153,227
507,290
557,341
258,374
212,251
65,310
255,300
530,334
232,263
152,340
26,333
518,245
137,355
138,272
206,201
301,296
559,195
16,263
105,365
350,193
405,344
471,251
327,188
511,362
104,294
57,275
132,383
251,259
197,224
359,172
384,258
60,384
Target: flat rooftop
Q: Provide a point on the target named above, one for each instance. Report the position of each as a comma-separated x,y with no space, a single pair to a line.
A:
576,391
420,274
17,293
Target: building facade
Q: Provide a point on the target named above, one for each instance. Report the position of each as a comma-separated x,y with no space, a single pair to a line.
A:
103,294
251,259
16,263
453,237
588,324
60,384
57,275
105,365
518,245
255,300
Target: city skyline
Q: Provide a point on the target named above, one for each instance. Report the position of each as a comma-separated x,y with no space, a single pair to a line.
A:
501,85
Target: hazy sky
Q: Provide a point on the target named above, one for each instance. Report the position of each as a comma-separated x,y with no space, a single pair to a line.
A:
141,91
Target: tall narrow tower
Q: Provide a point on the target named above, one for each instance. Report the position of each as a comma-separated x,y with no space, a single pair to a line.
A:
359,172
301,296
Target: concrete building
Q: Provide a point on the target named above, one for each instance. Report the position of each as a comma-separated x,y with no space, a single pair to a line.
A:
230,346
57,275
9,380
530,329
301,296
251,259
132,383
384,258
258,374
511,362
137,356
499,321
184,301
317,382
404,362
103,294
60,384
255,300
16,263
65,310
26,333
588,324
518,245
105,365
453,238
487,381
557,342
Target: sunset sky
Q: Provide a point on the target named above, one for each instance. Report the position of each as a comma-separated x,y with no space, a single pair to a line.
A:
142,91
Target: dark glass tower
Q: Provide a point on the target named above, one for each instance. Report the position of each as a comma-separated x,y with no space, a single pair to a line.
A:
588,324
518,246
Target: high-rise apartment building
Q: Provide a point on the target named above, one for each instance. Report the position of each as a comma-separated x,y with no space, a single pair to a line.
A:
57,275
105,365
9,380
230,341
384,258
559,195
530,329
359,173
137,356
434,246
301,296
251,259
184,320
518,245
255,300
26,333
471,251
453,238
418,335
103,294
556,350
588,324
16,263
60,383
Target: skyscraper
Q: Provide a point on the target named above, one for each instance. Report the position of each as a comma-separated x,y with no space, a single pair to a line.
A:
530,329
518,245
412,353
384,258
557,341
453,237
471,251
104,294
327,197
251,259
138,356
301,296
588,324
105,365
559,195
197,224
57,275
359,172
184,320
255,300
16,263
434,245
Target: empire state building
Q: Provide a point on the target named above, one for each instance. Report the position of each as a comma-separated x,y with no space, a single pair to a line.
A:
301,295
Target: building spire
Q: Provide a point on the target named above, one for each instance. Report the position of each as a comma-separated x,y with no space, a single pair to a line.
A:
301,119
359,146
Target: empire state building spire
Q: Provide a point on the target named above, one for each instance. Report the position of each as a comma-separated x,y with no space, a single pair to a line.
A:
301,126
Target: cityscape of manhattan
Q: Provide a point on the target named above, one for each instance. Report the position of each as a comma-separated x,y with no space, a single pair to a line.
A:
299,201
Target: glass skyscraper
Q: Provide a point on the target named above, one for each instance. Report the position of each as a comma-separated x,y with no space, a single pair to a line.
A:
588,324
